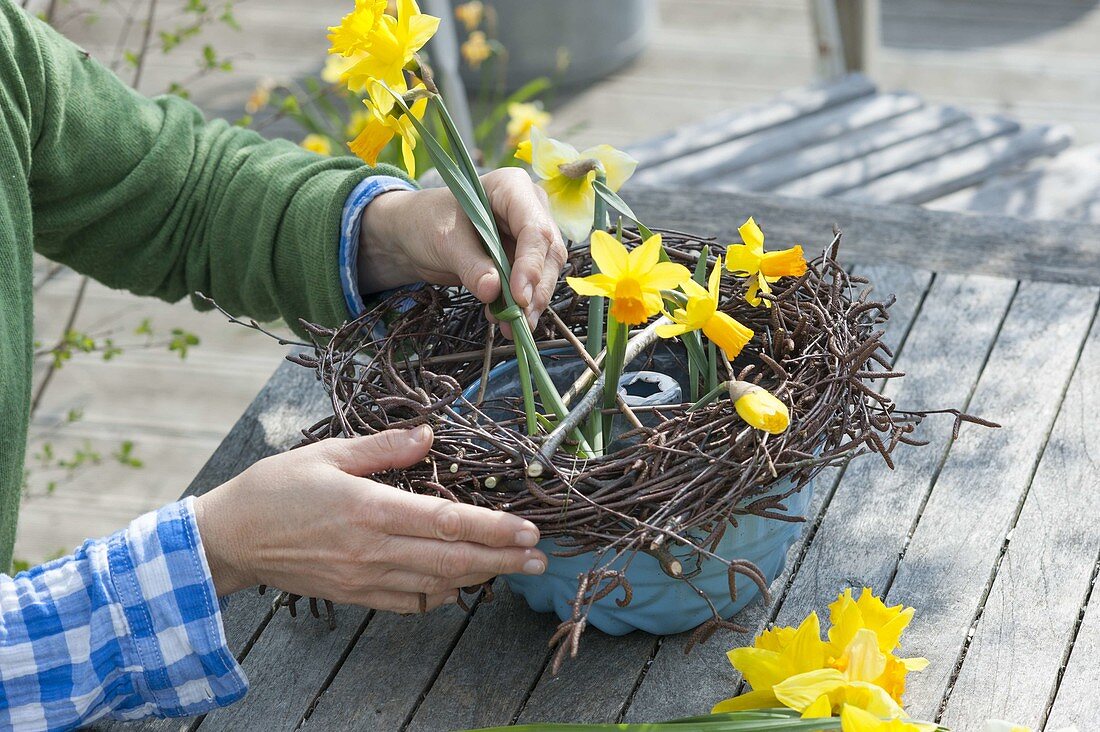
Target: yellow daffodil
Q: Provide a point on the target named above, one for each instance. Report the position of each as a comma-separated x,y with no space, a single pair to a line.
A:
632,280
750,260
470,14
567,177
702,313
391,43
523,152
854,719
759,407
848,615
776,655
318,144
476,49
337,65
354,34
381,127
522,116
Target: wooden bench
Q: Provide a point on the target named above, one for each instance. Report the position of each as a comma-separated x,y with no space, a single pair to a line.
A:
993,538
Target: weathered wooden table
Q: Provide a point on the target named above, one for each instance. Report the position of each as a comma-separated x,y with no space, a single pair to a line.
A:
994,538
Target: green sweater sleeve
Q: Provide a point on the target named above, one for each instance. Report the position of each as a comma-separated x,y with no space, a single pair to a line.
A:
142,194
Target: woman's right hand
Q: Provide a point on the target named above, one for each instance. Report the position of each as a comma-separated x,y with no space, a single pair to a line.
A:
312,522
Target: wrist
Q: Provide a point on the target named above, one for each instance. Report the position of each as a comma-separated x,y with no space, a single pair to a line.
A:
382,262
225,557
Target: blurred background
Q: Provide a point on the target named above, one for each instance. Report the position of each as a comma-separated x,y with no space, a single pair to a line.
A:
133,395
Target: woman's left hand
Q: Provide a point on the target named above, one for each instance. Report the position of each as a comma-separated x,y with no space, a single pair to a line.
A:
424,236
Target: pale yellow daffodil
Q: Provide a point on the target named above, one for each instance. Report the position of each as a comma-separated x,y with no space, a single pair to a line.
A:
776,655
701,313
336,66
522,116
470,14
750,260
567,176
381,127
476,49
854,719
631,280
391,45
318,144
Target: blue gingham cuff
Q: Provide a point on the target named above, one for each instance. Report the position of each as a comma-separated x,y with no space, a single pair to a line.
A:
159,569
350,225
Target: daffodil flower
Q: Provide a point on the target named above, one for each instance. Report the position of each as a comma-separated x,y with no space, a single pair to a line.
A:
854,719
382,127
750,260
567,177
390,43
631,280
476,49
522,117
470,14
318,144
353,35
759,407
701,313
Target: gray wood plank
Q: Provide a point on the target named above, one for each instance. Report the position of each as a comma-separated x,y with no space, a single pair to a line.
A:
1066,187
854,145
1076,701
389,669
859,173
953,553
869,518
287,668
1051,251
1012,664
702,167
736,123
489,673
949,173
676,684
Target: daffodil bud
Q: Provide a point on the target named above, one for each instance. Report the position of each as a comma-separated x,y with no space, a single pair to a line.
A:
759,407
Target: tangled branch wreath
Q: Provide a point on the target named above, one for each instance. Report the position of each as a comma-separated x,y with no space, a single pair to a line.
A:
681,481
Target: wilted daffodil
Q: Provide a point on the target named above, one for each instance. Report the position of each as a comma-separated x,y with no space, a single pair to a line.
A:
382,127
522,117
759,407
750,260
701,313
318,144
567,177
631,280
390,43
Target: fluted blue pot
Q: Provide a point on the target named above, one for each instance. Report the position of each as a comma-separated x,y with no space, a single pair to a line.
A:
660,604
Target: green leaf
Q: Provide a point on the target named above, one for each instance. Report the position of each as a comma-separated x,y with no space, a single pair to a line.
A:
621,206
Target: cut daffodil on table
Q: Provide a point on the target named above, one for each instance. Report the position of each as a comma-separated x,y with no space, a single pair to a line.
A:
631,280
567,176
701,313
763,268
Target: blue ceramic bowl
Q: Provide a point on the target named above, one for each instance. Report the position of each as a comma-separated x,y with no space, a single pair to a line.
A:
661,604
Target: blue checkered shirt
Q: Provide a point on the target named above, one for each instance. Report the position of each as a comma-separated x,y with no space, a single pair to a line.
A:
125,627
129,626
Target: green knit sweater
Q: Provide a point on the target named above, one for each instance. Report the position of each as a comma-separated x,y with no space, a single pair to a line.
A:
144,195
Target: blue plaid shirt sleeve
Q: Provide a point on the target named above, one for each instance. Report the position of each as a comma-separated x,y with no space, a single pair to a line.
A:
125,627
351,223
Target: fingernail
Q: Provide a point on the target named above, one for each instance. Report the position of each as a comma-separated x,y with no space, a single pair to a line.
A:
529,293
533,320
534,566
422,433
485,282
451,600
527,536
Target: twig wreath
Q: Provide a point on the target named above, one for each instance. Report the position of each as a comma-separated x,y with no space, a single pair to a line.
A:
684,480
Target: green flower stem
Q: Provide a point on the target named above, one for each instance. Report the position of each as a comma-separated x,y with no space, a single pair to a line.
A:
617,336
596,307
709,397
712,365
